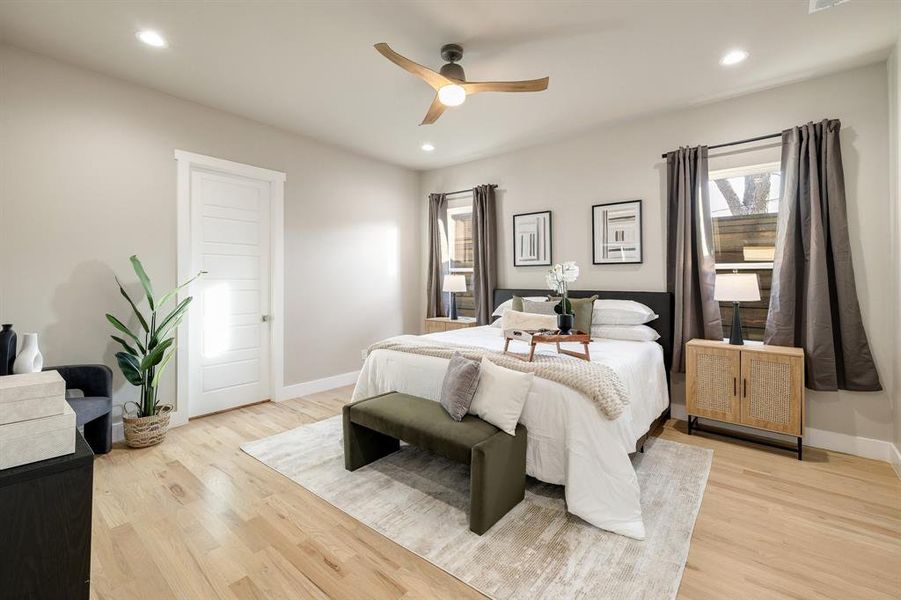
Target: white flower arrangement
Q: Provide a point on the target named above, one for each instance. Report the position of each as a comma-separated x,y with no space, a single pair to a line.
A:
558,279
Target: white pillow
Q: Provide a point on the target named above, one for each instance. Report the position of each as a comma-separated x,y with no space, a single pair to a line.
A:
621,312
637,333
513,319
501,395
505,306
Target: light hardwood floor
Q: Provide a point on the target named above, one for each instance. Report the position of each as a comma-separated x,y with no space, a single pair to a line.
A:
198,518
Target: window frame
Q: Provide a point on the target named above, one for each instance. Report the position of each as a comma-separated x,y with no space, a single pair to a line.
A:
451,237
743,171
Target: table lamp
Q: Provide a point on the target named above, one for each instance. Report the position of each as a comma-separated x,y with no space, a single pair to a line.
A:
454,284
735,288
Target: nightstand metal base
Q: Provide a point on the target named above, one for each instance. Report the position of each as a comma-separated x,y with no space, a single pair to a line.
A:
694,425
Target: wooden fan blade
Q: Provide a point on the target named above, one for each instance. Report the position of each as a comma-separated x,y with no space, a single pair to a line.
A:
530,85
435,111
436,80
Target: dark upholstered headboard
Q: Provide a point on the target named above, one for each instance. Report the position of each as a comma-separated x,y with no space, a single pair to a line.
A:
660,302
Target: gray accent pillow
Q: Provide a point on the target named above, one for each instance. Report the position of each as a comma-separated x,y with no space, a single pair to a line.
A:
538,308
460,383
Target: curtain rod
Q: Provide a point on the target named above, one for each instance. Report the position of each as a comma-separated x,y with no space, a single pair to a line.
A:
492,186
747,141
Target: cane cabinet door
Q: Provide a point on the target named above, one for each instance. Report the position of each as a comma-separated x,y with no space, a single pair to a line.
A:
712,373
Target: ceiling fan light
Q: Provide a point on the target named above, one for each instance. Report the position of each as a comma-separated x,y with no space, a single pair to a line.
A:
452,95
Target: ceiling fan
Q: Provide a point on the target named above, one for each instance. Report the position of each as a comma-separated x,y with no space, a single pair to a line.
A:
450,83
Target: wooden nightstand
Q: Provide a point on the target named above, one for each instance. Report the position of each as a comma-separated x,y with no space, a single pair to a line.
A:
438,324
751,385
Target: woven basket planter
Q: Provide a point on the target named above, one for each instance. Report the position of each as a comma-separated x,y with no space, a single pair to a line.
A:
141,432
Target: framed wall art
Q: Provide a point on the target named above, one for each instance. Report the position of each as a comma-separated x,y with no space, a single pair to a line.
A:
532,239
616,233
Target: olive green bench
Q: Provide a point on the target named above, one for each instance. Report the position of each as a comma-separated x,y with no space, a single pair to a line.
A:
374,427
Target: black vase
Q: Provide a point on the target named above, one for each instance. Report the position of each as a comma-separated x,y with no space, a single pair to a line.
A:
564,323
7,349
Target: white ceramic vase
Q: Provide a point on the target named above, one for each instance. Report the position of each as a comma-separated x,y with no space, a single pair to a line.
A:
29,359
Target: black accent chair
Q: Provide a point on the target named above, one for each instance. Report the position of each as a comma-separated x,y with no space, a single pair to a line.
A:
94,411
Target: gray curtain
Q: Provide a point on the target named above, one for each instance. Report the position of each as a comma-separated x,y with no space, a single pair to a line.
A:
436,302
484,242
690,262
813,302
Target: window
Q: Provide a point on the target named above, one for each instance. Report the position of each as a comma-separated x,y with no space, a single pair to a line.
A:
744,204
459,233
460,251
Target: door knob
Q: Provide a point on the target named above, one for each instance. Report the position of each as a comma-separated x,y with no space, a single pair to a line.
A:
265,318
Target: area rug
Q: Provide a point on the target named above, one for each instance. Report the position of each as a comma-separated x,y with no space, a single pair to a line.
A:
537,550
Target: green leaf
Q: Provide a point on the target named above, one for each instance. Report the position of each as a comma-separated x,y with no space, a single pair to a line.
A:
121,327
130,368
172,319
159,370
133,307
145,281
171,293
156,355
128,347
558,308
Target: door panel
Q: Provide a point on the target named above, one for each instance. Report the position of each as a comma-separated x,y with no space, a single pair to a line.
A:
230,231
231,266
772,391
230,241
230,375
712,382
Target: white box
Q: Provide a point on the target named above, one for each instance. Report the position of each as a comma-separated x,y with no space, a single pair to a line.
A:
37,439
32,408
31,385
31,396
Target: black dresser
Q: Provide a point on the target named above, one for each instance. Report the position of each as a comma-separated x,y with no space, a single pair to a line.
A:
45,527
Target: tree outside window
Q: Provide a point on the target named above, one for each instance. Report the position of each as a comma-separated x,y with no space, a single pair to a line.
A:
744,205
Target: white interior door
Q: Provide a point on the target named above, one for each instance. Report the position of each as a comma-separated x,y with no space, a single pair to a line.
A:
229,341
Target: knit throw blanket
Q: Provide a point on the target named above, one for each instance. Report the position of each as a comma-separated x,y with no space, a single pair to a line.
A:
598,382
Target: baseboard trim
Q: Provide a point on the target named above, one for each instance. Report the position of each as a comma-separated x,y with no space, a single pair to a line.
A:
849,444
827,440
317,385
285,393
118,432
896,460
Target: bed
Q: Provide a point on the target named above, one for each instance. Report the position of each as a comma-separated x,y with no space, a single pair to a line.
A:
570,442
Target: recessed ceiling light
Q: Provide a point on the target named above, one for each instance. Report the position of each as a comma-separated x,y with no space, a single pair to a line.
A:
427,147
733,57
152,38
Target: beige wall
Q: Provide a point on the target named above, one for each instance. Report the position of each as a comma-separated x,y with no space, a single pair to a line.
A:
622,162
87,177
894,75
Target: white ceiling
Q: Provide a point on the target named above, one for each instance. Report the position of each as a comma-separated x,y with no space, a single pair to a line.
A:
309,67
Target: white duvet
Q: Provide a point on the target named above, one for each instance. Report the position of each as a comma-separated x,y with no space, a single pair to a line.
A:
570,441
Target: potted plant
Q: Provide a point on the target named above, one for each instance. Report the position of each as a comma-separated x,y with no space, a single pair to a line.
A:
146,352
558,279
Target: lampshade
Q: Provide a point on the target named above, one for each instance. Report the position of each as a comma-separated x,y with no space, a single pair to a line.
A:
454,283
736,287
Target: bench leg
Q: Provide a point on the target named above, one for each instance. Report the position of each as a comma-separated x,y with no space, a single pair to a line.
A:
497,478
363,445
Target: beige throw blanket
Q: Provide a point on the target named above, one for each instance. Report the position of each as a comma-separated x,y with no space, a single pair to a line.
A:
598,382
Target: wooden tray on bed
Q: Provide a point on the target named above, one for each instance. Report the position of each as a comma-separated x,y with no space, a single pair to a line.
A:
548,336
